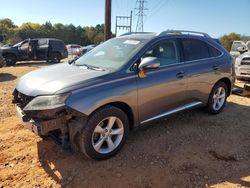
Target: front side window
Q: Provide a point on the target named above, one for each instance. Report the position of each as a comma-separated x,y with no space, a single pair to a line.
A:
195,49
166,51
112,54
24,46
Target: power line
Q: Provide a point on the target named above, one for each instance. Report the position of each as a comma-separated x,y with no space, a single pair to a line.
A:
159,5
156,8
140,14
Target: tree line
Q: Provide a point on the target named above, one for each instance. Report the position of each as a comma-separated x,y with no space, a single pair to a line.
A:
227,40
70,34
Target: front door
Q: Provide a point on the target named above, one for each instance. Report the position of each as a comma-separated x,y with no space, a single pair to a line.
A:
23,50
162,89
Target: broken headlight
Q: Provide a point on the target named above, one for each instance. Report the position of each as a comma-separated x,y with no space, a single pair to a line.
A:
47,102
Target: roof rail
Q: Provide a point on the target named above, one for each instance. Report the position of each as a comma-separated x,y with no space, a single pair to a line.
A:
182,32
132,33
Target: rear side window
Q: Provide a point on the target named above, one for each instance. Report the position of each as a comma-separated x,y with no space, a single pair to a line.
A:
56,44
213,51
195,49
42,42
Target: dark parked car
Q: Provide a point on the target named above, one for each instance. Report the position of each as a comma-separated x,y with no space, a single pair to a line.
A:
52,50
124,83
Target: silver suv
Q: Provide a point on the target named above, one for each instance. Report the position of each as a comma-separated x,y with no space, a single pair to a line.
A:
129,81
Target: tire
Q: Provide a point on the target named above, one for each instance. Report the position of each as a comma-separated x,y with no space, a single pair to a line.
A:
216,101
95,132
54,58
2,62
10,59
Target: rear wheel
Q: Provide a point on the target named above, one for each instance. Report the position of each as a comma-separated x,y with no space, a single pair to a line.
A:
217,98
54,58
10,59
104,134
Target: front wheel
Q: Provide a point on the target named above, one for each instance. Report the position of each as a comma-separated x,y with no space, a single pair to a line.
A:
217,98
2,62
104,134
10,60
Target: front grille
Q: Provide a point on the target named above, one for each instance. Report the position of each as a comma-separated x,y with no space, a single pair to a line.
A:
20,99
245,61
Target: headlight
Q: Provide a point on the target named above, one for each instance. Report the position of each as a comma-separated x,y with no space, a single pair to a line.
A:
47,102
237,61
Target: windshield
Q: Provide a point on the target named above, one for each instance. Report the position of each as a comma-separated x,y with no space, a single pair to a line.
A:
112,54
18,44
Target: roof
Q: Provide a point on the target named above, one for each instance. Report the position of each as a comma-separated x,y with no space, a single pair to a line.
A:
46,38
150,35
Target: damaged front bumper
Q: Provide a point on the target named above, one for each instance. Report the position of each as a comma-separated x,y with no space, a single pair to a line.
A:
43,122
31,125
62,123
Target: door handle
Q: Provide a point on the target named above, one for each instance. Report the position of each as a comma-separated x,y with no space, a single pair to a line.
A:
180,74
215,67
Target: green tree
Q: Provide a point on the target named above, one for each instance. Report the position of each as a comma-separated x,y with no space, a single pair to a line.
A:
6,29
227,40
68,33
7,23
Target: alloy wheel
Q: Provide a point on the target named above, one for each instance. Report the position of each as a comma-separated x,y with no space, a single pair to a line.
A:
107,135
219,98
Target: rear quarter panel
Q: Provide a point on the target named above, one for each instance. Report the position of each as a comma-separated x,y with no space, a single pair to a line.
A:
202,77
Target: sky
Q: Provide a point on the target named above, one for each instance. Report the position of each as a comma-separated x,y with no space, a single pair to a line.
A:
215,17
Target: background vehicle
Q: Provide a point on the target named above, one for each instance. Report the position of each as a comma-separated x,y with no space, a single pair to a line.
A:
86,49
73,49
242,66
239,47
125,82
52,50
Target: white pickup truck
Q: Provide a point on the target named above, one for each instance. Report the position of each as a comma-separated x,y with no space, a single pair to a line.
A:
241,52
239,47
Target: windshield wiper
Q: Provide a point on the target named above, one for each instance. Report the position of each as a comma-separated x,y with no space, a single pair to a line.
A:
91,67
72,60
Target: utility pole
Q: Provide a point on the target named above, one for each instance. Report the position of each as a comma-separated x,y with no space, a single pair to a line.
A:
107,29
119,23
141,8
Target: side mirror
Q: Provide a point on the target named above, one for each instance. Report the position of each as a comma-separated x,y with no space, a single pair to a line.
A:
241,49
148,63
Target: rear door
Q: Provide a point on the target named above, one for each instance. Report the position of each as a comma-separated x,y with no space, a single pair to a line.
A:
163,89
204,68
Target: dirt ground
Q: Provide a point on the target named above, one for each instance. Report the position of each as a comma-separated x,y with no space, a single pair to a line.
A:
192,149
